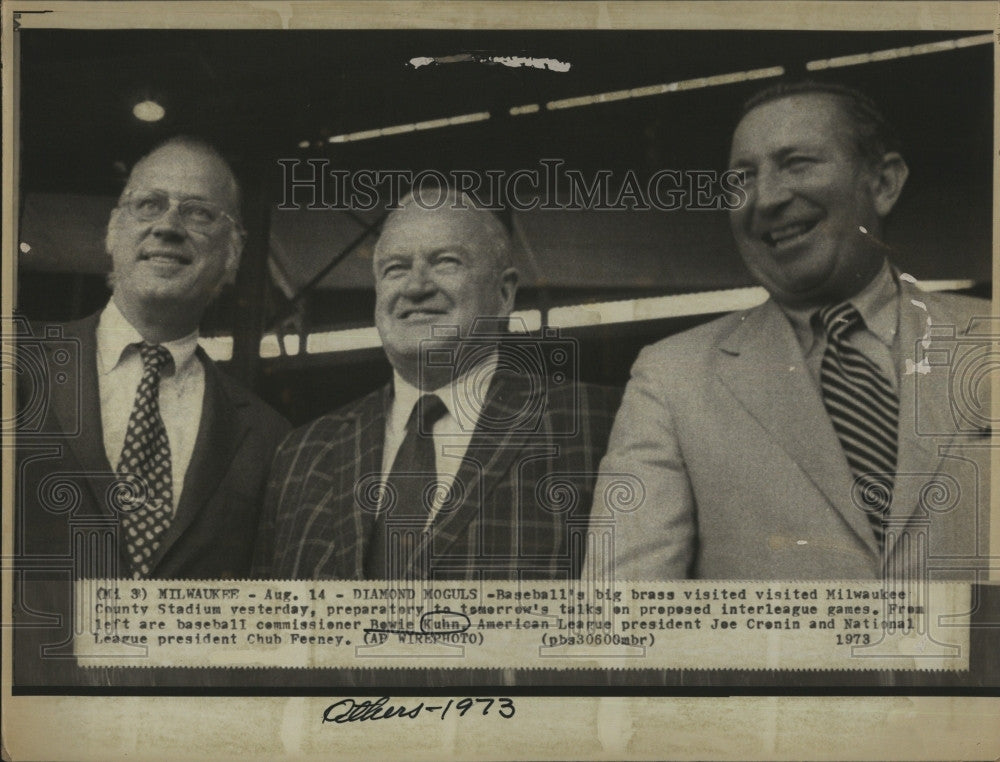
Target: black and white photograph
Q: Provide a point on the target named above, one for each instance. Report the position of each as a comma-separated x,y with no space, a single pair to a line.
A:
523,375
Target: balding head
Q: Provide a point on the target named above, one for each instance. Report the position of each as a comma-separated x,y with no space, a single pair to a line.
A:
210,158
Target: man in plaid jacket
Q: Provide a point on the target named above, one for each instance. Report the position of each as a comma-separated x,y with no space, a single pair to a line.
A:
477,461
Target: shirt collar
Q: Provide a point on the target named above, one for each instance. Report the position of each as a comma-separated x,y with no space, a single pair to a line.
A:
877,303
115,334
465,397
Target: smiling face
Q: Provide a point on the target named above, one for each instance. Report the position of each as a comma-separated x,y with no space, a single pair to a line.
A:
432,268
162,271
808,230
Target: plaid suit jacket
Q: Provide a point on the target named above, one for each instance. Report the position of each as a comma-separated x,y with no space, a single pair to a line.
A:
525,486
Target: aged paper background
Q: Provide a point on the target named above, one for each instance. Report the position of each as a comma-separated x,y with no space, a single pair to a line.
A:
747,727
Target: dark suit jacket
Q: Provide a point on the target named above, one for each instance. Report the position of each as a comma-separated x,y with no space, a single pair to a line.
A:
524,488
213,530
66,522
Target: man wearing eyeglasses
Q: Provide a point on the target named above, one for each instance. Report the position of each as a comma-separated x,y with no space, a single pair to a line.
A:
165,452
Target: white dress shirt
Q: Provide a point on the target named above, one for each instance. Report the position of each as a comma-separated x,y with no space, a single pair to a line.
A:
182,390
878,305
464,398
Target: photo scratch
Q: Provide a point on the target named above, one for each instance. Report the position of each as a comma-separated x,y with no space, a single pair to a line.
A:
551,64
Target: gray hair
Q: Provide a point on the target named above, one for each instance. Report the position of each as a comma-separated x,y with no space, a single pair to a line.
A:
501,244
874,135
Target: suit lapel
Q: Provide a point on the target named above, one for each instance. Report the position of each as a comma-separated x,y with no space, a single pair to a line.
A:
488,458
925,424
762,364
220,432
355,517
77,408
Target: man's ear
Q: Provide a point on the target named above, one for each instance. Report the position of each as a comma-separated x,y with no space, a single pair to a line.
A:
112,231
109,244
508,288
890,177
237,240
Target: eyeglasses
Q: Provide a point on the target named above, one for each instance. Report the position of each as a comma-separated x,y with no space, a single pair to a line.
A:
196,215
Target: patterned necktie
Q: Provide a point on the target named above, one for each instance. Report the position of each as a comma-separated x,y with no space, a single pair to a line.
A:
145,462
407,496
864,410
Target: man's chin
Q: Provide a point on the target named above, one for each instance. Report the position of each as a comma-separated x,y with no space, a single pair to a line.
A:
804,294
174,298
410,347
415,332
801,280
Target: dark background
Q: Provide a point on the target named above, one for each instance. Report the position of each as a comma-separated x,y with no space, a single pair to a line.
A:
259,95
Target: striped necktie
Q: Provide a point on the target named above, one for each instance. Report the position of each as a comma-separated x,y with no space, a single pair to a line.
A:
145,462
864,410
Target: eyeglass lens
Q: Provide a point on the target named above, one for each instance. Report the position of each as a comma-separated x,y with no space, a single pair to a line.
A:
194,213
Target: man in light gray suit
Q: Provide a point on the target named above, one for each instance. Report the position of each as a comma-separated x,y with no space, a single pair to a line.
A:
814,436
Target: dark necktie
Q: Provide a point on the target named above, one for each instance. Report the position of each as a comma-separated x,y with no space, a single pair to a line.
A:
407,496
864,410
145,461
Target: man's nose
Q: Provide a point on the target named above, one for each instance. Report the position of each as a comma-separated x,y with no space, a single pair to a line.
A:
170,223
770,191
419,282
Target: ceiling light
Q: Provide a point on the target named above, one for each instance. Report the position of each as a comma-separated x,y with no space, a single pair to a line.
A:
531,108
148,111
669,87
894,53
399,129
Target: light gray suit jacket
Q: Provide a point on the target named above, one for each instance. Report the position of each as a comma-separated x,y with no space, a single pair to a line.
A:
725,436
